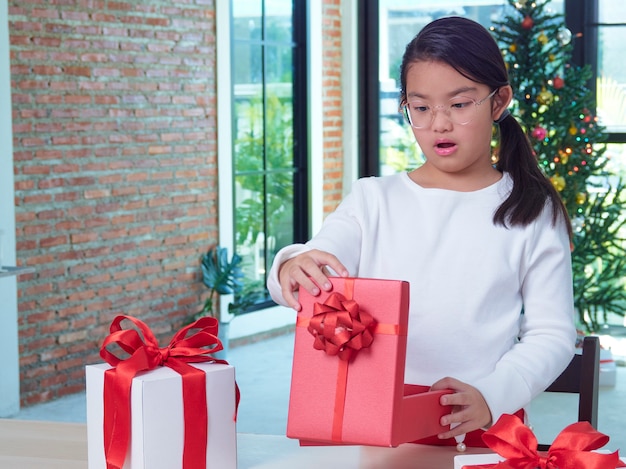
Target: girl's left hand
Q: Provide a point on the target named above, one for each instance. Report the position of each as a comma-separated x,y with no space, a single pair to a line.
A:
469,408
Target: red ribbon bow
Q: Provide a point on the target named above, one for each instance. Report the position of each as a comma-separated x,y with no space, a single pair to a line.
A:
145,354
339,328
571,449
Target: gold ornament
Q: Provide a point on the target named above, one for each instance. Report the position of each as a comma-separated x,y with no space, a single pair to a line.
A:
564,156
545,97
513,48
581,198
543,39
558,182
573,130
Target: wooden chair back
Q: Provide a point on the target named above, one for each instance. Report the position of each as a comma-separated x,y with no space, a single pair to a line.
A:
582,377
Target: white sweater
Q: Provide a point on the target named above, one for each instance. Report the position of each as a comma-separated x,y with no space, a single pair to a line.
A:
469,281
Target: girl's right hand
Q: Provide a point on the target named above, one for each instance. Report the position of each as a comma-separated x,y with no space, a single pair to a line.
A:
308,270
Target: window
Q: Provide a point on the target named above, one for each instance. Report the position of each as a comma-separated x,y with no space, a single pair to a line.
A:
611,78
611,69
398,22
269,170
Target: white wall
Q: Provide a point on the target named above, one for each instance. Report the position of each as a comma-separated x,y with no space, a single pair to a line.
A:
9,369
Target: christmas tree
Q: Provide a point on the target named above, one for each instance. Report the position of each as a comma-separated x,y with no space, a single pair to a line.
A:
553,103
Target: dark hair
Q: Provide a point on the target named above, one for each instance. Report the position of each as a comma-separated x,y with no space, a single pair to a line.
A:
471,50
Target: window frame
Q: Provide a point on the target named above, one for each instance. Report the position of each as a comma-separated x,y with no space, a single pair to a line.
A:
579,17
276,316
584,17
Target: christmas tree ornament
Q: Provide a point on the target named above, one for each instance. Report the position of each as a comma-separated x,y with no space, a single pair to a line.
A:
542,39
558,182
545,97
539,133
527,22
571,158
564,36
558,83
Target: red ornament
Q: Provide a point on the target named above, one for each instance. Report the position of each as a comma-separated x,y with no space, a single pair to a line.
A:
558,83
527,23
539,133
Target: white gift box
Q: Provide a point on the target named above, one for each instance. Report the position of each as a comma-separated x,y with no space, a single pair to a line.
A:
474,459
157,422
467,460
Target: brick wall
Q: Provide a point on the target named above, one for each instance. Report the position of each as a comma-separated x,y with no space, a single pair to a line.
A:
114,124
115,173
332,103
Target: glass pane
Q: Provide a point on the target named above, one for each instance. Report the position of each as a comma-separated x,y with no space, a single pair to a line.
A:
248,68
611,11
279,213
616,155
278,21
279,128
247,21
278,64
611,84
263,132
249,131
249,222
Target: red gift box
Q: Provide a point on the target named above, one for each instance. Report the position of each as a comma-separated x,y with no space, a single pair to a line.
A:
347,384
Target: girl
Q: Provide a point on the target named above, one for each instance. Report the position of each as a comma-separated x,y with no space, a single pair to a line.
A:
486,248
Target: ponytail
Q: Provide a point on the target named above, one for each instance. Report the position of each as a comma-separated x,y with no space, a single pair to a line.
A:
531,187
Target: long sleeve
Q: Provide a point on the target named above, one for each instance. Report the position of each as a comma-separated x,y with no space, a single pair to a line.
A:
489,305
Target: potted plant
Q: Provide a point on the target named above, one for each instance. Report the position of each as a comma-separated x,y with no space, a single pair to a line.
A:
221,277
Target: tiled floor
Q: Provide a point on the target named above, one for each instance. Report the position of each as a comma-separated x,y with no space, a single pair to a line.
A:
263,371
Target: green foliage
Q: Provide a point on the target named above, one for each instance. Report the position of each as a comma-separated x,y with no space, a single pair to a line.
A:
220,276
599,260
555,107
266,143
264,171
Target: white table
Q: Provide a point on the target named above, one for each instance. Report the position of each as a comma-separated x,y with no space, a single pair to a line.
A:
54,445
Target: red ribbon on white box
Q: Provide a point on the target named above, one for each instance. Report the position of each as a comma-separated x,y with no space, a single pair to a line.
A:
571,449
192,344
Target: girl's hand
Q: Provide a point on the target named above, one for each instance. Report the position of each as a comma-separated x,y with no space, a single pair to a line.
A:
308,270
469,409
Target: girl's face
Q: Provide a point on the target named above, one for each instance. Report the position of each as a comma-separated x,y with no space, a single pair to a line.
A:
442,100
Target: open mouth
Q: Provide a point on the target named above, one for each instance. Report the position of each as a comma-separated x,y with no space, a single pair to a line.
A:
445,145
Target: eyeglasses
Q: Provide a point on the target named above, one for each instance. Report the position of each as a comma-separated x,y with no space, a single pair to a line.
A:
460,110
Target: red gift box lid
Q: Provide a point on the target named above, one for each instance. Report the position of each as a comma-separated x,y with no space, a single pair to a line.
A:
364,400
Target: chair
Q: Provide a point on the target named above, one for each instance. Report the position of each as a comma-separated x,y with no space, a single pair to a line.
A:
582,376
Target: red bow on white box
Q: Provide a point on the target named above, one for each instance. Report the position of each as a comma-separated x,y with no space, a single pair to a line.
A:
194,343
573,448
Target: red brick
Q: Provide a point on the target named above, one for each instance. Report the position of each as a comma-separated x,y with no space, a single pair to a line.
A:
117,101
